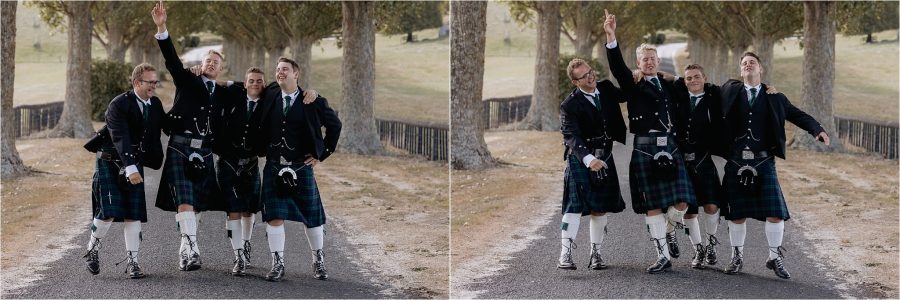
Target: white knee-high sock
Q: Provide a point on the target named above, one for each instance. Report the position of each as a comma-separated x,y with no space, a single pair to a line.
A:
247,226
673,216
656,225
598,228
775,235
234,234
98,231
316,237
132,233
737,233
275,235
187,221
711,222
693,228
569,227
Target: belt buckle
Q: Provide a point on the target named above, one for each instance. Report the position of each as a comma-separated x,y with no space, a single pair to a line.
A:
747,154
690,156
196,143
662,141
284,161
243,161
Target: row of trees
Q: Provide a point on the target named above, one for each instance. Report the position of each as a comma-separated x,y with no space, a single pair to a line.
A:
253,33
718,33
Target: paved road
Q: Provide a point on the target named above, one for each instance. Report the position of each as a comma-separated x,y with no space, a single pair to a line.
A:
532,273
67,277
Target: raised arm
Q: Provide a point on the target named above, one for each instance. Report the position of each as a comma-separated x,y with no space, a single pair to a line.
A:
617,65
173,62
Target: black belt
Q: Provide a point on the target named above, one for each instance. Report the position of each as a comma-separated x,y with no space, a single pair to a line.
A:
180,139
651,140
108,156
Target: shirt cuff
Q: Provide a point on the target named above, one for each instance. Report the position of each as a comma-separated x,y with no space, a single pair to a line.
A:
612,44
130,170
162,36
588,159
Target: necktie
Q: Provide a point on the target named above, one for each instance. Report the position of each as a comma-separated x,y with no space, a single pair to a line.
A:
146,111
752,96
287,105
694,102
656,83
250,105
596,99
210,86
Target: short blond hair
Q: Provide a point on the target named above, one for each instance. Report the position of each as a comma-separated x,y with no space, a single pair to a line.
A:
574,64
644,48
213,51
138,72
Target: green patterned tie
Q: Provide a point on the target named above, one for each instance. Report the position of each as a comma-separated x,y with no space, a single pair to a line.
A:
250,105
752,96
596,100
656,83
146,111
287,105
210,86
694,102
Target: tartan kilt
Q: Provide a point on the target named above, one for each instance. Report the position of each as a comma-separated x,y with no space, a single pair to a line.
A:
228,175
109,200
176,189
579,196
648,192
705,179
768,203
304,206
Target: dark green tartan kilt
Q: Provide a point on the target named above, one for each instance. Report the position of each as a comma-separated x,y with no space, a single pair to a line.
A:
304,206
768,203
649,192
109,200
229,174
579,196
705,179
174,186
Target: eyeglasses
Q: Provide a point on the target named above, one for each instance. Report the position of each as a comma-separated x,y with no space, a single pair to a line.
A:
153,82
590,73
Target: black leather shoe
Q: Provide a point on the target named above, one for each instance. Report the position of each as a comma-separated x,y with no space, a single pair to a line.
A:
711,258
565,258
92,257
699,257
777,264
596,261
247,250
662,264
277,272
134,270
239,266
319,265
674,252
737,263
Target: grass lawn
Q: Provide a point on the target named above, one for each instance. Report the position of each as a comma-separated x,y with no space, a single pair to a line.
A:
412,81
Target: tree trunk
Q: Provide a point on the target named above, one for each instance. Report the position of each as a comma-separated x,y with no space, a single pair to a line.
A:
301,50
584,42
764,46
229,48
359,134
818,74
721,64
409,37
135,53
75,120
544,111
274,53
736,52
259,60
469,151
12,165
868,37
115,43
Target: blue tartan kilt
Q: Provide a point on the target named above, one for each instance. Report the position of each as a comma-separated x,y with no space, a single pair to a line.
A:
705,179
176,189
769,202
579,196
304,206
230,175
109,200
649,192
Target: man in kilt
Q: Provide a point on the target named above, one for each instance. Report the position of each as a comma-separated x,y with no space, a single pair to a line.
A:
658,178
293,143
188,179
755,124
128,143
591,120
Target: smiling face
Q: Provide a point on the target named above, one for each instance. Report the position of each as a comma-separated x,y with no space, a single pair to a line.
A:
254,84
751,70
585,78
647,60
694,79
145,87
212,65
286,76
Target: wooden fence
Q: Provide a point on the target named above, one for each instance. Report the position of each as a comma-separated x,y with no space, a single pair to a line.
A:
34,118
878,137
426,140
501,111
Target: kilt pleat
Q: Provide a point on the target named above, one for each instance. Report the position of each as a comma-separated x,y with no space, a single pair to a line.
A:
579,196
228,175
769,202
303,206
705,180
176,189
649,192
109,200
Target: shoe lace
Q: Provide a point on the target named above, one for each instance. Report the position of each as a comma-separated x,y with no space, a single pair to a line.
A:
277,262
130,258
713,241
572,246
247,250
659,244
320,261
94,252
778,251
671,238
737,255
189,250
